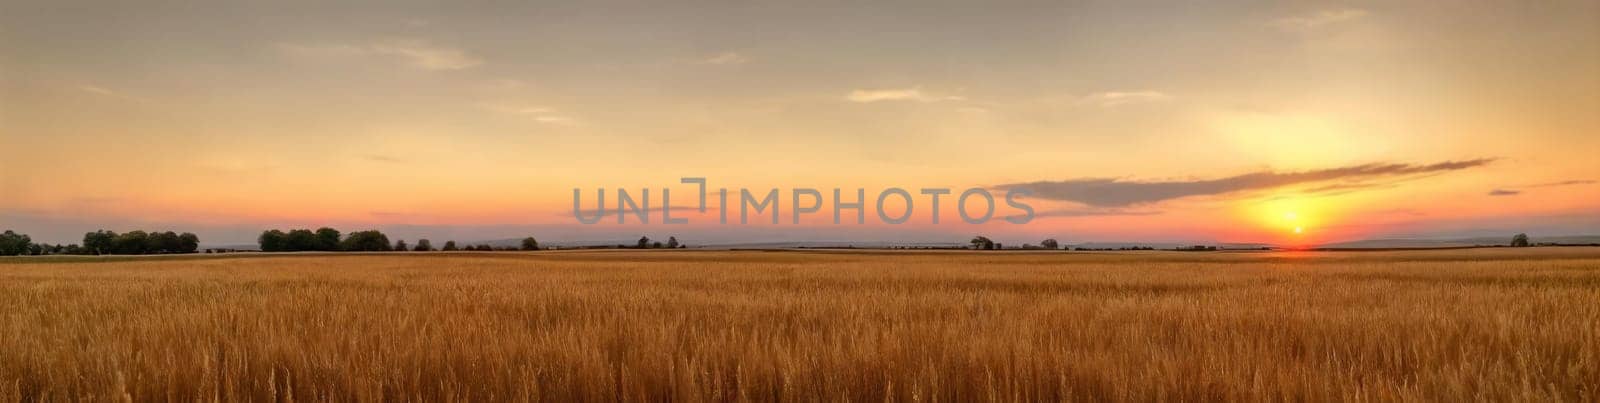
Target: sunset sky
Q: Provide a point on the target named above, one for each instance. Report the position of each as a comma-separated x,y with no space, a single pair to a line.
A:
1131,121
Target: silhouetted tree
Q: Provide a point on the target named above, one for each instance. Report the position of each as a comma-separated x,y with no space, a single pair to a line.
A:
164,242
270,241
1521,240
400,246
644,242
982,243
672,242
327,239
99,242
423,245
188,242
450,246
530,244
366,241
1050,244
655,245
131,243
300,240
13,244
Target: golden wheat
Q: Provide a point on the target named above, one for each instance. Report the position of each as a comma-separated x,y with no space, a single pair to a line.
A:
689,325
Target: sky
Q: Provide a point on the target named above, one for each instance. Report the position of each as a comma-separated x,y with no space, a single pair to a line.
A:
1275,122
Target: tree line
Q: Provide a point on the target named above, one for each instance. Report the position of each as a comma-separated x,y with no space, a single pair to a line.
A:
331,240
104,242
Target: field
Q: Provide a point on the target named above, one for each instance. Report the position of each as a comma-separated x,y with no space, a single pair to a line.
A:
1483,324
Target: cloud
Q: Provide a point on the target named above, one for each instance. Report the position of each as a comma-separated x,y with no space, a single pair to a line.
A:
428,57
726,58
1094,212
537,113
1516,190
1319,19
102,91
553,119
1342,188
655,212
1120,193
388,159
419,54
1562,183
1116,98
906,94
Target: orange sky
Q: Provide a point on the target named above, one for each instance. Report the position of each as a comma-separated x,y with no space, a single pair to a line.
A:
1235,122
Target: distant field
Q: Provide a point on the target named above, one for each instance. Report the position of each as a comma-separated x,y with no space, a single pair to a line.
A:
1485,324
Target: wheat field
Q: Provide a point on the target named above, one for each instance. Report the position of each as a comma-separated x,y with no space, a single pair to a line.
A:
1486,324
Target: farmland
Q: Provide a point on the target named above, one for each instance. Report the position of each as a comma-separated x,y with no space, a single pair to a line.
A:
1479,324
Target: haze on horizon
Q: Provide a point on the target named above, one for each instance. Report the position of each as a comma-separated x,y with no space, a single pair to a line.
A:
1240,122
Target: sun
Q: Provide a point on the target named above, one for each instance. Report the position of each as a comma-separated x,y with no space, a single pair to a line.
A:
1290,220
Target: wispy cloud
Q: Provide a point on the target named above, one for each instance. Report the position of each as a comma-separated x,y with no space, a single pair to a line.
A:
1516,190
1318,19
416,53
537,113
103,91
726,58
1117,98
655,212
1095,212
904,94
1562,183
1121,193
388,159
428,57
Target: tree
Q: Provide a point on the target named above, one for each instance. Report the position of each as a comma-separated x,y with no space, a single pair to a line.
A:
400,246
12,243
1050,244
1521,240
98,242
644,242
423,245
366,241
672,242
164,242
327,239
131,243
301,240
188,242
450,246
655,245
530,244
270,241
982,243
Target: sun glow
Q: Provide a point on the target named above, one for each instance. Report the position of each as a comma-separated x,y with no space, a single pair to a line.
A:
1291,220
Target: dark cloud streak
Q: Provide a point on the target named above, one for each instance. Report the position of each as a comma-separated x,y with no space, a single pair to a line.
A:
1103,192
